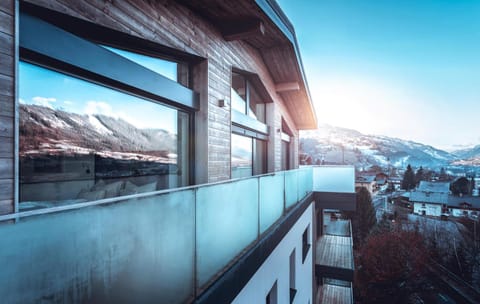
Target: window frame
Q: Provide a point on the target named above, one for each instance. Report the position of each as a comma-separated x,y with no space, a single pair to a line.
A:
38,44
249,86
255,149
306,243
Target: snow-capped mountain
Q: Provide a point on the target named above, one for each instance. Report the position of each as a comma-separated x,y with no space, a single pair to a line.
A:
47,131
470,154
338,145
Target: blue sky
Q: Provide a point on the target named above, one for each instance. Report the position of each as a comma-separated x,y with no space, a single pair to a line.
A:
407,69
51,89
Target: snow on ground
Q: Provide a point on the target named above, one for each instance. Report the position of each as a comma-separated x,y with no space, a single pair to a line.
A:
98,125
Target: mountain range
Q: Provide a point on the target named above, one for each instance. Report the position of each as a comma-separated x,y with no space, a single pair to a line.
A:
335,145
51,131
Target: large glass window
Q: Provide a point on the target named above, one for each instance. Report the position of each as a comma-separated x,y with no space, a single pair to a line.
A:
242,156
286,138
81,141
248,156
245,98
160,66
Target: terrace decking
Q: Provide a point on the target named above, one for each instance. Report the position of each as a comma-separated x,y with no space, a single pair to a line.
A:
334,252
333,294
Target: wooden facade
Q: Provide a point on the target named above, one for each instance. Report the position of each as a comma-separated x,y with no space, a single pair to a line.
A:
225,35
7,105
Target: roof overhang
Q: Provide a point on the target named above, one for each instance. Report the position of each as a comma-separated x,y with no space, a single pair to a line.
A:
263,25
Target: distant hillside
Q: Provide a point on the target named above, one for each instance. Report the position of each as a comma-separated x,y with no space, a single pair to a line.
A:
468,157
333,144
47,131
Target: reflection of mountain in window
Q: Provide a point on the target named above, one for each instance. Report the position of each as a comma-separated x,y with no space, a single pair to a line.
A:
242,154
82,141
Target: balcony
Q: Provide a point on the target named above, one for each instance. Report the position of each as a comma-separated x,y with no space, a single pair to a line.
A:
168,245
334,252
334,187
332,294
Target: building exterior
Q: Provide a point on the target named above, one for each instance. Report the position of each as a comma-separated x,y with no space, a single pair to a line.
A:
149,153
366,181
430,198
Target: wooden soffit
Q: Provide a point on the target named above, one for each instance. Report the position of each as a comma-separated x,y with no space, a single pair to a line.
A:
262,24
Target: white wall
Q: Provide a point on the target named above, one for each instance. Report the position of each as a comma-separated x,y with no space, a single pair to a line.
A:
277,268
459,212
430,209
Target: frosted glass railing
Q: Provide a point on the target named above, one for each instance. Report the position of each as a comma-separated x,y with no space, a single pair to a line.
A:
133,251
168,245
272,188
227,222
334,179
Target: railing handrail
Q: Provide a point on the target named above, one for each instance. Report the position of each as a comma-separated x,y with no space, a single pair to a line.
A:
119,199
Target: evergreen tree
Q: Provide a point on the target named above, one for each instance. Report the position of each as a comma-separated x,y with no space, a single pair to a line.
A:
419,176
364,218
460,186
443,175
408,181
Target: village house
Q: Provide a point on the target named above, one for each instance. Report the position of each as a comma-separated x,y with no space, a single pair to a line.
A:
430,198
366,181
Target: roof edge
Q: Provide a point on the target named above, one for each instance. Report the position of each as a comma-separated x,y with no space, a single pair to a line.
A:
278,17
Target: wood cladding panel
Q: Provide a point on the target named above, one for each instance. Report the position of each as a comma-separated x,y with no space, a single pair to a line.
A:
6,189
6,147
6,23
6,168
6,127
6,43
6,105
6,85
6,207
6,64
7,6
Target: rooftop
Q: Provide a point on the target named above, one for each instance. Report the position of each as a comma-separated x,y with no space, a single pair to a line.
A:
440,187
365,178
428,197
456,201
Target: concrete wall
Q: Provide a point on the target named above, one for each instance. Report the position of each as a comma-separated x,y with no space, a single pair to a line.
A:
277,269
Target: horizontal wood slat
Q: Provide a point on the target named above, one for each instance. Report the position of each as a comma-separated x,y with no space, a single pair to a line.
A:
6,168
6,189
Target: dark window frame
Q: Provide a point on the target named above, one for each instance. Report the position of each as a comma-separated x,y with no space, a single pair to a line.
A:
306,244
252,82
39,26
255,137
97,64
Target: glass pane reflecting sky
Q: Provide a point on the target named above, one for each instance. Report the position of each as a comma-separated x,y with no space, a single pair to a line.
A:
40,86
160,66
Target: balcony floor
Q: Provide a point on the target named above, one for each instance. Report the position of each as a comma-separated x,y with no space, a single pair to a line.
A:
335,251
332,294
